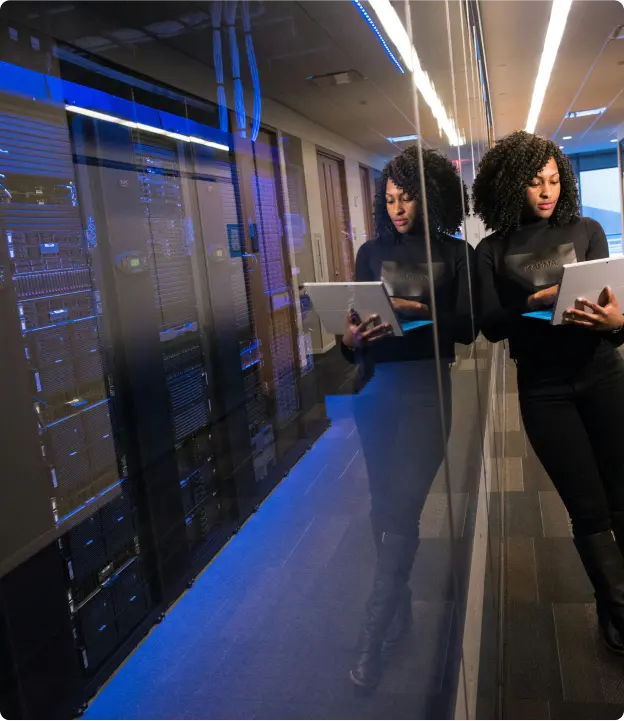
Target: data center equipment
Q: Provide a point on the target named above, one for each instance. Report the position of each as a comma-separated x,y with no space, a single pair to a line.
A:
149,365
88,531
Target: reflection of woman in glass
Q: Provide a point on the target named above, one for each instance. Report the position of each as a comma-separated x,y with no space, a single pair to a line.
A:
397,413
570,378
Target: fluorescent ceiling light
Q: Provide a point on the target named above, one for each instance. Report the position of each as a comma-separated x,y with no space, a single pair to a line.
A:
561,147
614,140
556,26
402,138
395,30
567,137
585,113
99,116
141,126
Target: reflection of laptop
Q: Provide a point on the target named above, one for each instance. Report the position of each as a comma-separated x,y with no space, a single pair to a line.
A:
541,314
411,324
584,280
332,301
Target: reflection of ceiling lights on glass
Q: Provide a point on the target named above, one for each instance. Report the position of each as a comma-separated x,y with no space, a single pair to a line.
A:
556,26
613,140
375,29
402,138
567,137
585,113
141,126
395,30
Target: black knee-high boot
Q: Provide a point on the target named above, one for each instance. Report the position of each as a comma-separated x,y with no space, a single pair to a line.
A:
402,621
403,617
394,564
604,564
612,638
617,523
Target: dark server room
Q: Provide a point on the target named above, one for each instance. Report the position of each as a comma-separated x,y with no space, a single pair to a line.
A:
154,386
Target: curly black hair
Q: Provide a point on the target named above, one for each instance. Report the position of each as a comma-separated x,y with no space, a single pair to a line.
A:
499,190
444,192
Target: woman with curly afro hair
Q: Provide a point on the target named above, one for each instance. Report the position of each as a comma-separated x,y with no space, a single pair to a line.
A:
397,413
570,377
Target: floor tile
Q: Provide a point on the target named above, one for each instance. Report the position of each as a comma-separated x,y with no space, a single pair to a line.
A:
511,444
521,570
531,663
555,519
561,576
609,666
515,708
592,712
514,474
575,643
523,515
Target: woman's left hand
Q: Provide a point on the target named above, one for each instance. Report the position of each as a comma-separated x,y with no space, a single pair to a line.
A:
606,315
410,308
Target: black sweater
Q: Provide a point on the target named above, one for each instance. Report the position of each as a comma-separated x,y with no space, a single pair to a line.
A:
403,269
512,268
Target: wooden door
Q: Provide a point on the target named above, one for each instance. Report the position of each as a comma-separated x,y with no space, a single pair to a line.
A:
368,198
338,242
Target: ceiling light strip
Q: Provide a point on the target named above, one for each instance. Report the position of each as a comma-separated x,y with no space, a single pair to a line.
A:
395,30
380,37
556,26
146,128
402,139
585,113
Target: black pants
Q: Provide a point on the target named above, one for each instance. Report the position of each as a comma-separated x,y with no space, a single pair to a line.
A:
398,422
574,419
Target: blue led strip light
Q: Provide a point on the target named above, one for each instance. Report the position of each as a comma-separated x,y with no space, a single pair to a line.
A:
377,32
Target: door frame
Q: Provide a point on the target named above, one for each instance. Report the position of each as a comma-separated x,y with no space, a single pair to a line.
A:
368,200
340,160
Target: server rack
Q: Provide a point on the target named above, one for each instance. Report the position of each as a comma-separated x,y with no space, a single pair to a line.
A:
95,571
170,245
148,418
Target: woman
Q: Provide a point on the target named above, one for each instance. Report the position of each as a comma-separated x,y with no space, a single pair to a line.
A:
571,377
397,414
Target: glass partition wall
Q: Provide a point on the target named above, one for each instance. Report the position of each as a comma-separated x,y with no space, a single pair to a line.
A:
173,175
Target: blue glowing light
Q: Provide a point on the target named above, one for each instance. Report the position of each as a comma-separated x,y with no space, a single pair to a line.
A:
377,32
91,233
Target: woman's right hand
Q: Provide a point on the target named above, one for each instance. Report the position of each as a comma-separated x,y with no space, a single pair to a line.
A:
359,333
543,298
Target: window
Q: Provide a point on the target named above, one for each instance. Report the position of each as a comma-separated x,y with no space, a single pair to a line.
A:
600,200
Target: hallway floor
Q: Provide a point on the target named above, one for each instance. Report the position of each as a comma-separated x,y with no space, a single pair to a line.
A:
556,665
269,629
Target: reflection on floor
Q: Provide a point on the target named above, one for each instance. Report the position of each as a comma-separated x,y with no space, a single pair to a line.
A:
556,664
269,629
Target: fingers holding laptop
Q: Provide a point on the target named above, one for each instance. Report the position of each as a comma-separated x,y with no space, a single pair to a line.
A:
543,298
410,308
359,333
606,315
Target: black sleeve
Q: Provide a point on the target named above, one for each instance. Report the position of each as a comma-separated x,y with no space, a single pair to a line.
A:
363,273
599,248
459,322
597,240
496,321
